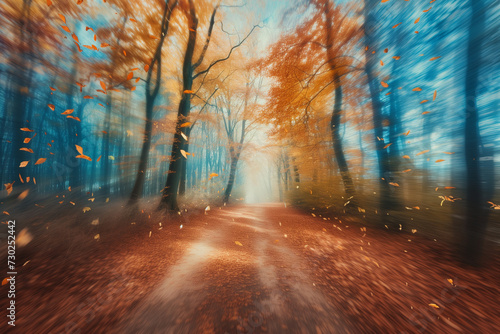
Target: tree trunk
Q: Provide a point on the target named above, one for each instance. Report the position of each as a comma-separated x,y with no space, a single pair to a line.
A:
169,198
476,220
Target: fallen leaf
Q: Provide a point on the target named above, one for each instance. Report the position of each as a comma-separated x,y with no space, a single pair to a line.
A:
434,305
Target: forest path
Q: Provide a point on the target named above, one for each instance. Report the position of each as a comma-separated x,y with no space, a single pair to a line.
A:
239,277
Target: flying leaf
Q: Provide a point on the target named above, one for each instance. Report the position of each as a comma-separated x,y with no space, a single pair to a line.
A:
130,75
184,136
395,26
7,279
26,140
384,84
51,106
184,154
213,175
67,112
82,156
397,57
434,305
110,157
75,38
417,89
79,149
188,92
407,170
424,101
73,117
394,184
440,160
26,129
62,17
88,97
426,112
23,194
434,58
24,164
425,151
26,149
99,158
183,125
103,85
40,161
146,67
8,187
238,243
434,96
449,152
65,28
406,157
85,209
386,146
417,20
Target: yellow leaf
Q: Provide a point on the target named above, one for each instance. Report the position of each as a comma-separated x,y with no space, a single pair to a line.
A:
97,237
111,157
184,136
434,305
85,209
213,175
24,164
184,154
238,243
394,184
183,125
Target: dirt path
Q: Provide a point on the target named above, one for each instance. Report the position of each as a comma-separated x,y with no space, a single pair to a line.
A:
219,286
254,269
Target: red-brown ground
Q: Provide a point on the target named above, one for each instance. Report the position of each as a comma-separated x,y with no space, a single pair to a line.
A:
254,269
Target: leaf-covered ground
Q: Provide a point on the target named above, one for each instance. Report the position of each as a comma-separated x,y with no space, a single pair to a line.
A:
244,269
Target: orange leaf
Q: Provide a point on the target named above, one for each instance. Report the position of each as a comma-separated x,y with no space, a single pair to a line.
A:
103,45
103,85
51,106
84,157
130,75
99,158
434,58
417,20
23,164
395,26
394,184
440,160
397,57
75,38
62,17
26,149
79,149
20,178
73,117
65,28
188,92
386,146
7,279
26,129
426,112
68,111
384,84
78,46
40,161
420,153
417,89
26,140
88,97
435,94
146,67
423,101
406,157
183,125
425,11
449,188
449,152
407,170
124,53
